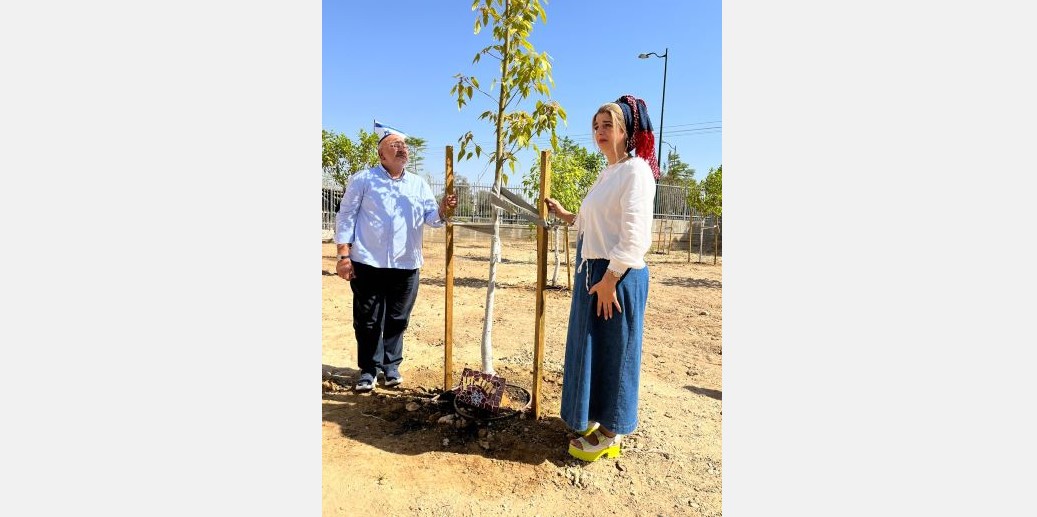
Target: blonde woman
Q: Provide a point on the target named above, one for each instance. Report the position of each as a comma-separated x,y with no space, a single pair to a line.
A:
606,321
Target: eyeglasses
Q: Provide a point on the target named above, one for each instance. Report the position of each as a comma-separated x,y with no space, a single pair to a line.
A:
398,146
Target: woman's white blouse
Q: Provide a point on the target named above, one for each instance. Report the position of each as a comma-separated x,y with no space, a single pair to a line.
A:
616,215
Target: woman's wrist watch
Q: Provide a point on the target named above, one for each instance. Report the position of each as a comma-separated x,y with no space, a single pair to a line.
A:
343,257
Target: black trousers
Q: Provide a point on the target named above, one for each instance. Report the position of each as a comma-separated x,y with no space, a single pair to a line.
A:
382,303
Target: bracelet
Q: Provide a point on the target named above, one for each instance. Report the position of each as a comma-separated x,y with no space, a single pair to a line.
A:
615,274
343,257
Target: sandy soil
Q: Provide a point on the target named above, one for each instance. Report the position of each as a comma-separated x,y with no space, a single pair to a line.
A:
385,452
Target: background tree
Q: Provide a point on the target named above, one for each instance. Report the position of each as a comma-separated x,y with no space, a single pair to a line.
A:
706,198
483,208
341,156
712,188
678,174
334,147
522,73
573,170
465,196
416,147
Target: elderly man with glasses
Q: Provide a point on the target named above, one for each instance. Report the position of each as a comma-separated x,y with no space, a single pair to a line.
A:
378,230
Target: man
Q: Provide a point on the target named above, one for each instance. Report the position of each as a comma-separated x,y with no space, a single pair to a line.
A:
378,230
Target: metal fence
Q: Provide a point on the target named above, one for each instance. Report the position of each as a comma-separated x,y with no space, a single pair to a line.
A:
671,202
473,205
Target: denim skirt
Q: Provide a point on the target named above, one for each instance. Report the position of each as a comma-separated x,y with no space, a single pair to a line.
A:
603,357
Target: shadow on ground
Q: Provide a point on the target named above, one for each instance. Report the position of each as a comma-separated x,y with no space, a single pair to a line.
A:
486,259
482,283
691,282
405,420
715,394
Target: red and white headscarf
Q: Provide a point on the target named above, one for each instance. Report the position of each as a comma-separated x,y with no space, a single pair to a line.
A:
640,138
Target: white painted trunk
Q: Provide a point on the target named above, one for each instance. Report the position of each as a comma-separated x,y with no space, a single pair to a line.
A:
487,329
702,230
554,276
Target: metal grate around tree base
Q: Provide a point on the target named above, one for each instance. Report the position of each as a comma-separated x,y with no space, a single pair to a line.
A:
516,399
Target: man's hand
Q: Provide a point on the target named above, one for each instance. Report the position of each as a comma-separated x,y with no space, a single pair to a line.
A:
344,268
449,202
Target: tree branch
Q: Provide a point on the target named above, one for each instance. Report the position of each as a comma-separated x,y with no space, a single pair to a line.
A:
476,88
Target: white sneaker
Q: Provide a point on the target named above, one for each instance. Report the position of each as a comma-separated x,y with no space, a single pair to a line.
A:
366,383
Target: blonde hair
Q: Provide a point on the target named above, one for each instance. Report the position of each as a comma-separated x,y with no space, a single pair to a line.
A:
615,112
618,120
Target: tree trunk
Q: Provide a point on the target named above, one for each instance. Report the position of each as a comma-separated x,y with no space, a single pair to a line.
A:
568,267
691,231
702,229
487,329
498,179
554,276
716,239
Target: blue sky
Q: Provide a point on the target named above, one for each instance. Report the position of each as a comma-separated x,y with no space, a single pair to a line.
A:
396,63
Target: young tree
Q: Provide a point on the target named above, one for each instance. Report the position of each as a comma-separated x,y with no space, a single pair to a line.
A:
522,73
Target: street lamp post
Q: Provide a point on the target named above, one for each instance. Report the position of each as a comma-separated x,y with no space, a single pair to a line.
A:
672,149
662,106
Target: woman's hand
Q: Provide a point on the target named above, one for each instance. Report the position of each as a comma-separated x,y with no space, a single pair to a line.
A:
556,208
606,291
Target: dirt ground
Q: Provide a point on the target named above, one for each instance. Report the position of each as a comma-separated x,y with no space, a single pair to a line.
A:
385,452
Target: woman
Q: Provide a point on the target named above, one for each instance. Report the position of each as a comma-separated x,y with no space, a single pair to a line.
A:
606,321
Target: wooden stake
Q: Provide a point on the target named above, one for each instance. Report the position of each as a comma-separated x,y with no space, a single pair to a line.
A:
542,238
448,282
